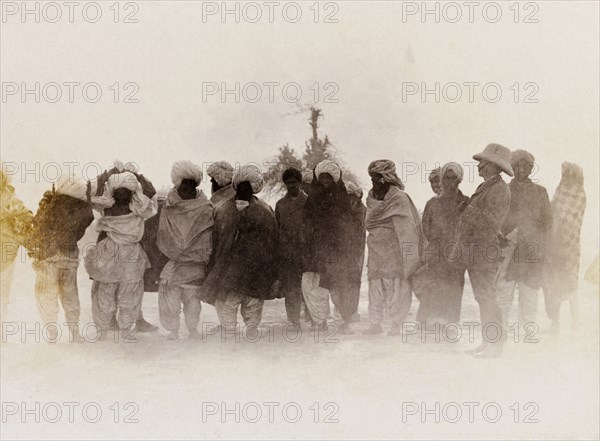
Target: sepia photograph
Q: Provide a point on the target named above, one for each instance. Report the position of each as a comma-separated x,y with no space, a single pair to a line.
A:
300,220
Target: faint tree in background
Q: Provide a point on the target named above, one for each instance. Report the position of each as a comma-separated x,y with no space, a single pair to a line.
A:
285,158
315,151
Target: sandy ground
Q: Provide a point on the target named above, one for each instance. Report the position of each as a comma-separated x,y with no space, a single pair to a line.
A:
364,387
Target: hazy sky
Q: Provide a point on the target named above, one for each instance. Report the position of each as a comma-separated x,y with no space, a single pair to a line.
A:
368,54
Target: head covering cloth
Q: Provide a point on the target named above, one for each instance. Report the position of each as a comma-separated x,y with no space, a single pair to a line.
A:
249,173
387,169
221,172
455,167
72,186
568,208
185,170
139,202
572,175
329,167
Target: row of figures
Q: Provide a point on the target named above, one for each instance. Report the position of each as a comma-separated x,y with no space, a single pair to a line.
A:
233,251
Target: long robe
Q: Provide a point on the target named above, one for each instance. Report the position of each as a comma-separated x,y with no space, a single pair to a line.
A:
326,235
250,267
223,236
358,238
530,214
443,282
568,207
288,212
395,237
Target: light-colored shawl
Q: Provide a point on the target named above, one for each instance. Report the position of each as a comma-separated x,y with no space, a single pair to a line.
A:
181,223
398,209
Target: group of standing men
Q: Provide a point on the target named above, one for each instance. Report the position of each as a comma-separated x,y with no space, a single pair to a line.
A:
234,251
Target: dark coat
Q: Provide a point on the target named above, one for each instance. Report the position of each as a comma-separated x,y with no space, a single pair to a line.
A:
440,219
530,214
327,235
358,238
223,237
288,212
439,286
479,225
250,265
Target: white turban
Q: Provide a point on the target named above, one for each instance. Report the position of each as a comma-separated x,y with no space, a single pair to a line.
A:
72,186
122,180
250,173
221,171
185,170
354,189
455,167
140,203
329,167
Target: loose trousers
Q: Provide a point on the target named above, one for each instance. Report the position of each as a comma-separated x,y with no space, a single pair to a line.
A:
57,279
170,298
317,298
121,298
391,297
251,310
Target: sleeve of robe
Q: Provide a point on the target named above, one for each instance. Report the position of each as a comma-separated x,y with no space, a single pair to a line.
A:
84,219
147,186
427,220
510,223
